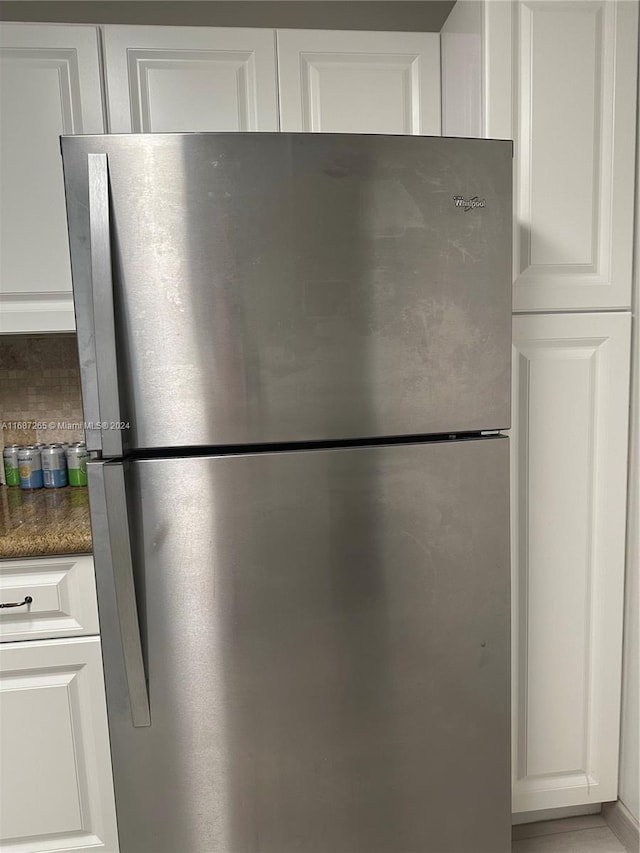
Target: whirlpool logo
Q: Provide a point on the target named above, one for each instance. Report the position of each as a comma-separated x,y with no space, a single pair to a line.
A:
469,203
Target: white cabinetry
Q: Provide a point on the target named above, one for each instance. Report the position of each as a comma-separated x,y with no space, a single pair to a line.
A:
559,78
56,785
569,446
63,593
359,82
570,109
49,85
166,79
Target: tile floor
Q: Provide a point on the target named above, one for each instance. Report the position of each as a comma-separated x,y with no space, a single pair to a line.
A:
588,834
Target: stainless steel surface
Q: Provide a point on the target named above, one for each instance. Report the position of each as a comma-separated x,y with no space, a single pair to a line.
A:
327,643
281,287
107,487
103,311
325,634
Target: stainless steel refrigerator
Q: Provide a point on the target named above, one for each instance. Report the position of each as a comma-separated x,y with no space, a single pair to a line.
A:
295,356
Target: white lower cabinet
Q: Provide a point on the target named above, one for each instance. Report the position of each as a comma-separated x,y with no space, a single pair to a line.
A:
569,445
56,784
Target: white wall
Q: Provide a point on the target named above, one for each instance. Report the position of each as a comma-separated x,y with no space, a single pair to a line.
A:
629,746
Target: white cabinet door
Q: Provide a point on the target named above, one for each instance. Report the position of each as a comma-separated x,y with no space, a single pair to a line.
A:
49,85
166,79
571,110
55,775
359,82
569,444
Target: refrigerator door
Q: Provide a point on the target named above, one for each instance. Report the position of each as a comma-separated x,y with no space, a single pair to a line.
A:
292,287
326,641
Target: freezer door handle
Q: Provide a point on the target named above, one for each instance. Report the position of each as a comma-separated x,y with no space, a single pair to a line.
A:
112,549
103,306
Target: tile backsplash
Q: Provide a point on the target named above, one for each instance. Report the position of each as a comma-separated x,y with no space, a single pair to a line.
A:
39,385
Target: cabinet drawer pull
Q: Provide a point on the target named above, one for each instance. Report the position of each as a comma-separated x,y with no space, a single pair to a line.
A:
27,600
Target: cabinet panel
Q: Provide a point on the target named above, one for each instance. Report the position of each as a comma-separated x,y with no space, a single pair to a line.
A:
64,598
569,444
35,705
55,776
497,84
49,84
574,69
172,79
461,69
359,82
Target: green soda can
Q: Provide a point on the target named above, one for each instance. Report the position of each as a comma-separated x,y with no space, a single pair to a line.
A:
77,463
11,470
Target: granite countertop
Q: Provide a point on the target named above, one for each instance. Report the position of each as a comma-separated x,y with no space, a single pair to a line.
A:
44,522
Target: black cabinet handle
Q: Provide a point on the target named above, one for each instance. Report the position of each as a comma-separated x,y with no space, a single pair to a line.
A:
27,600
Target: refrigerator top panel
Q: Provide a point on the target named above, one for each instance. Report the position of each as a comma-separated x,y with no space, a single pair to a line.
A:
291,287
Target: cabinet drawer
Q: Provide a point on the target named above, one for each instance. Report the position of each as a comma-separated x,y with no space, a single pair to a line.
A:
63,594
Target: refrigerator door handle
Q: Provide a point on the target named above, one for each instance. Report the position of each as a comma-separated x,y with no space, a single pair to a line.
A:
112,549
103,307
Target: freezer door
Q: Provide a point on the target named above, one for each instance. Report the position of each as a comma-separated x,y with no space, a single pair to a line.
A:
326,642
290,287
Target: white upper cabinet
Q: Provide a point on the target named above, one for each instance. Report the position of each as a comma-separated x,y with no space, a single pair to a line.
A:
173,79
568,469
49,85
573,105
359,82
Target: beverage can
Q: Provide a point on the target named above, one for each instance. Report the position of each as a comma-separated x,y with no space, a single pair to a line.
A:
30,468
54,466
11,469
77,464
